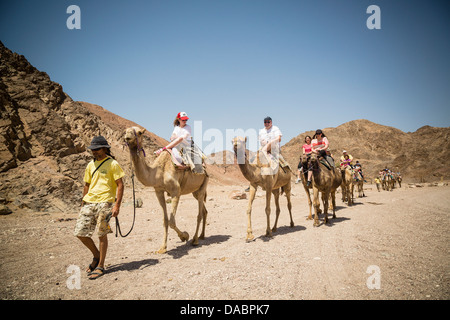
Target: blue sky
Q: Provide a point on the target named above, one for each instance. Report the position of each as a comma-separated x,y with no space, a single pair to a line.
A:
307,64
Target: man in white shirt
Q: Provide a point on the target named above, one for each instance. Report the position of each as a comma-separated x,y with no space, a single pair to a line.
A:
270,136
269,139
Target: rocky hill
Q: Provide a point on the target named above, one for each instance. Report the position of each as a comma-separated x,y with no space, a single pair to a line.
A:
44,134
43,138
419,155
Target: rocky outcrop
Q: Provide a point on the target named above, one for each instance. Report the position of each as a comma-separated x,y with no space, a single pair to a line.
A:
43,139
420,155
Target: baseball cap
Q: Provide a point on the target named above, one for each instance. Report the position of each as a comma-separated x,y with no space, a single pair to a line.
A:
182,115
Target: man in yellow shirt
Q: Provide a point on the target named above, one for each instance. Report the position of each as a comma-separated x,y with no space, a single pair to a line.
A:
102,197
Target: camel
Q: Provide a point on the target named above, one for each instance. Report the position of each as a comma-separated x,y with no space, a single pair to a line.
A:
304,179
270,183
387,182
163,176
326,182
360,187
347,185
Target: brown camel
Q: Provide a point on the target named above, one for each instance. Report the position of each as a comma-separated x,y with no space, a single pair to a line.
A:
304,179
360,187
325,181
163,176
347,185
270,183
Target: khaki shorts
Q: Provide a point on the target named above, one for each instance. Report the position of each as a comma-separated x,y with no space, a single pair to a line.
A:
92,215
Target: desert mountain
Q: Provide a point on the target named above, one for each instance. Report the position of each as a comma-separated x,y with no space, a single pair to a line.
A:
44,135
418,156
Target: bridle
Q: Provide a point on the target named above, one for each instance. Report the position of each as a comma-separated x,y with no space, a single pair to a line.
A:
139,148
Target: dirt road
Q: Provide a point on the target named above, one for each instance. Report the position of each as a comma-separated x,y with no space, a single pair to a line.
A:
389,245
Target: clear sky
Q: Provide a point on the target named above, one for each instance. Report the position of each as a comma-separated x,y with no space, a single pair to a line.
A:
229,63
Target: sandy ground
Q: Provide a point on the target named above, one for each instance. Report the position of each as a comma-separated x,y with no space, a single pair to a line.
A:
389,245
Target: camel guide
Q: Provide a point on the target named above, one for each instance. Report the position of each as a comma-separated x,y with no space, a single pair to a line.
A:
102,197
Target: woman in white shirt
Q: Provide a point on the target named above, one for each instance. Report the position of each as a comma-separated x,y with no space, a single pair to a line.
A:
181,136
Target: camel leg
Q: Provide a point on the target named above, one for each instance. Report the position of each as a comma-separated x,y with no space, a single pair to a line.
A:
276,194
252,194
333,203
287,191
184,236
325,196
309,201
350,194
199,219
162,202
316,204
201,216
205,214
268,196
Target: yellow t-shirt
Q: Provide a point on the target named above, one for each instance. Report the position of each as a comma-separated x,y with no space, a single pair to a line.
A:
102,186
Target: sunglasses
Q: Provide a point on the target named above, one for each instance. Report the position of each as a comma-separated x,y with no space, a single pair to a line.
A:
267,121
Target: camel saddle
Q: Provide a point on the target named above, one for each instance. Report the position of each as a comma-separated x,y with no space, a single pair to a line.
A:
271,162
176,163
199,169
327,161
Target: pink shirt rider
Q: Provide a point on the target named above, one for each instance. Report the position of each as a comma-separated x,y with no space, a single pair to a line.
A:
307,149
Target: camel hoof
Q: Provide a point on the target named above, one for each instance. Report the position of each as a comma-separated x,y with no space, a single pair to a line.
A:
161,251
184,236
309,218
274,229
250,238
292,225
195,242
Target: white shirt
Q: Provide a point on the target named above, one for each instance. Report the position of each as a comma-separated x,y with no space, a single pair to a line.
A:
265,136
182,132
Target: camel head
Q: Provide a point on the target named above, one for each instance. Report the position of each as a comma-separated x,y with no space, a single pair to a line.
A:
238,143
239,148
314,160
133,137
304,160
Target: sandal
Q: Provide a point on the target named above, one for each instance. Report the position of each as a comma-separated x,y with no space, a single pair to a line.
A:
93,265
94,275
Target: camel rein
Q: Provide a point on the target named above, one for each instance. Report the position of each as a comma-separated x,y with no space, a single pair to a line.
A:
134,212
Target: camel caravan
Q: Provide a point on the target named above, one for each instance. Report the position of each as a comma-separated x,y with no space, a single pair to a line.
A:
387,179
179,169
